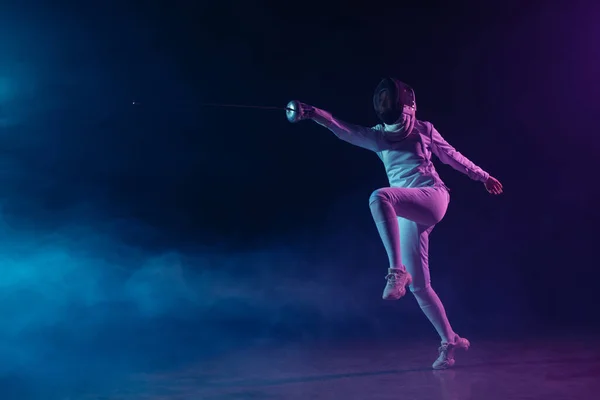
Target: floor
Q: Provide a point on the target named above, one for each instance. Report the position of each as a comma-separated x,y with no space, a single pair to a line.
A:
492,370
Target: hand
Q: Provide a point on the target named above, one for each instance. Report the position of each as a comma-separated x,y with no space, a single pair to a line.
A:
296,111
493,185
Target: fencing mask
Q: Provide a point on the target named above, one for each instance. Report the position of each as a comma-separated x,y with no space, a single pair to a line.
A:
394,103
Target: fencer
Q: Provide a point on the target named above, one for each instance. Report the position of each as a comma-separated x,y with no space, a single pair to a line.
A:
406,212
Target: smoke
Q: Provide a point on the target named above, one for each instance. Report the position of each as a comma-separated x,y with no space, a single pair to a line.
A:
79,300
85,299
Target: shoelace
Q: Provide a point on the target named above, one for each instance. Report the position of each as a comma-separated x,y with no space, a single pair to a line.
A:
393,277
443,350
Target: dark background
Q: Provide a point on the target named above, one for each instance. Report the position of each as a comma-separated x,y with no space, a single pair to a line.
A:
151,234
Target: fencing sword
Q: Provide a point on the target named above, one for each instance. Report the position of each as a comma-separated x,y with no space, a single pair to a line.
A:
293,110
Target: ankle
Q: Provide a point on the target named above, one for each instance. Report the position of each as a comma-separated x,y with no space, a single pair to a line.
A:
451,339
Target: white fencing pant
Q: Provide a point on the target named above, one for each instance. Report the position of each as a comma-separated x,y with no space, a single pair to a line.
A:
405,217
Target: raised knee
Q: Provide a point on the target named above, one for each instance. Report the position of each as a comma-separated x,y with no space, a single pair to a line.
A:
378,196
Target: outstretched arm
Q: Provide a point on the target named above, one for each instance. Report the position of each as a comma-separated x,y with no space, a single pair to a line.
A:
450,156
367,138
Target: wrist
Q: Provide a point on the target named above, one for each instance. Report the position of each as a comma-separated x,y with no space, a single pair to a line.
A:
484,177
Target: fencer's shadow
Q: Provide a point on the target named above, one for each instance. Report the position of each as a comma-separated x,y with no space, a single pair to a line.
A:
328,377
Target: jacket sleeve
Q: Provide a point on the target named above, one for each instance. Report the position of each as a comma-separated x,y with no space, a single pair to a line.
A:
361,136
450,156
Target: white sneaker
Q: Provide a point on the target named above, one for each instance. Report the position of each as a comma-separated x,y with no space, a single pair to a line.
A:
446,357
397,280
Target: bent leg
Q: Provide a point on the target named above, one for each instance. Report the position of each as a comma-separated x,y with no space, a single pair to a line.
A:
425,206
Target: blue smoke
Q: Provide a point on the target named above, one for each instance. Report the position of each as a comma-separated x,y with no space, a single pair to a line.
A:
75,294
